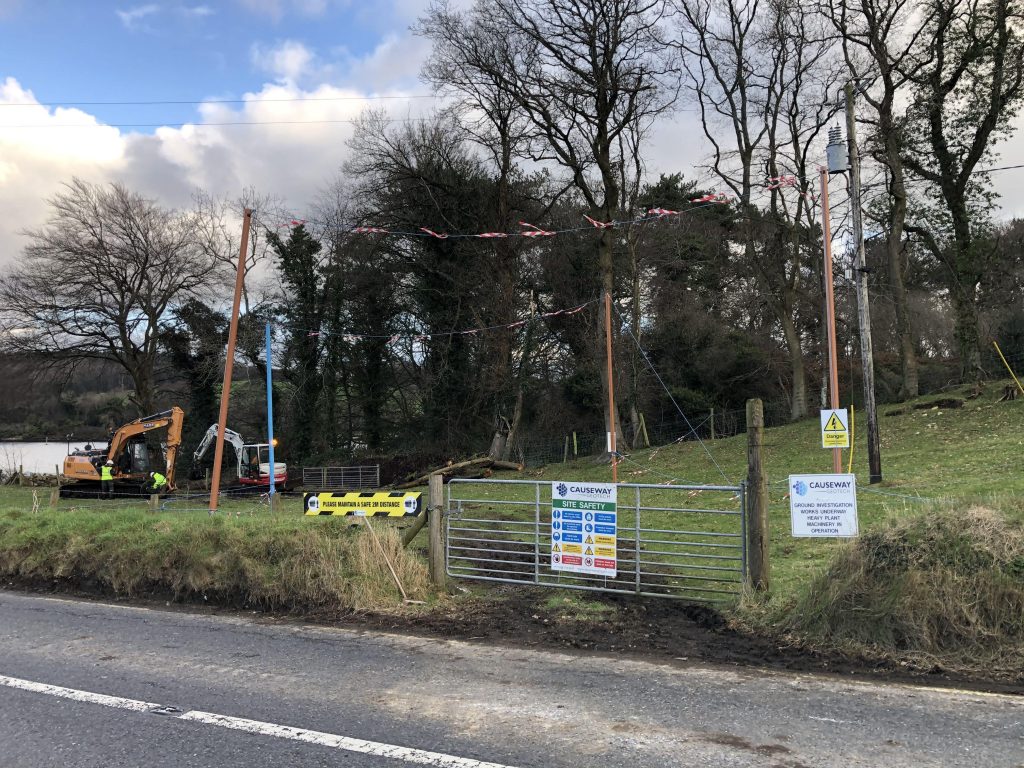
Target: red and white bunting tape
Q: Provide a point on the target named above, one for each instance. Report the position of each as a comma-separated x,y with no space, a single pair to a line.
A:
714,197
599,224
432,233
777,182
492,234
535,231
371,230
660,212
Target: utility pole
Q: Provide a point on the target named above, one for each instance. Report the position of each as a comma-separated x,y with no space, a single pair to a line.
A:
830,310
270,416
229,361
611,384
860,277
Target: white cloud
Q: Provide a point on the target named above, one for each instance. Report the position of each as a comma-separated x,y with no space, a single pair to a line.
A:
133,15
276,9
197,11
396,59
294,158
289,61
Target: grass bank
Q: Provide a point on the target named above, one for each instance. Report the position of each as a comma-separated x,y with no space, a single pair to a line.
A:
275,562
938,588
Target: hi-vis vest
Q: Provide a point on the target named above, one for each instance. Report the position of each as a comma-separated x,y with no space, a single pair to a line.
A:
106,473
159,481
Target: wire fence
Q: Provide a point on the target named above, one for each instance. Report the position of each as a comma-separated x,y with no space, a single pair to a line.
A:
936,378
231,501
712,424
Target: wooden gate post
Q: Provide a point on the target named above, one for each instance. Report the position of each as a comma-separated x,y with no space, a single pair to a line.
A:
758,565
435,513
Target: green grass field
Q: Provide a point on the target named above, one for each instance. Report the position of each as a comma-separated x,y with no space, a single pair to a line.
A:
964,455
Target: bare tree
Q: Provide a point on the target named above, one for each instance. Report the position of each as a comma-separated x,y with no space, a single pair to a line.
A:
219,223
761,72
96,280
584,73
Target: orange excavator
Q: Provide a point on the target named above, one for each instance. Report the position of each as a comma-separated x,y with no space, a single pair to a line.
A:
129,451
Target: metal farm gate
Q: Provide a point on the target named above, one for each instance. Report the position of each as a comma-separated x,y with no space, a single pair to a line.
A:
682,541
341,478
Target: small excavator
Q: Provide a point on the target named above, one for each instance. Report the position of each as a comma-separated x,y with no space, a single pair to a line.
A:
130,453
253,459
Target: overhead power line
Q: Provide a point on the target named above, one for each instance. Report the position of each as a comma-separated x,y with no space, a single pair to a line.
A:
207,125
211,101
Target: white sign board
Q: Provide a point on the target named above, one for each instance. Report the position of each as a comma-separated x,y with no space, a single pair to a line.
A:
584,527
835,428
823,505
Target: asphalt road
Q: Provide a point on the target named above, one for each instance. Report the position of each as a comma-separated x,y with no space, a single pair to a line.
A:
182,689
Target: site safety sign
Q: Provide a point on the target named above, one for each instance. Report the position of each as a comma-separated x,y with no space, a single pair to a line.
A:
823,505
584,527
364,504
835,428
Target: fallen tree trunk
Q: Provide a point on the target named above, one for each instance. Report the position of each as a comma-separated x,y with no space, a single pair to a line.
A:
471,467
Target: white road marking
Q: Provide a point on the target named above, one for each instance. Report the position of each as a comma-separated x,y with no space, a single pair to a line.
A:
347,743
76,695
420,756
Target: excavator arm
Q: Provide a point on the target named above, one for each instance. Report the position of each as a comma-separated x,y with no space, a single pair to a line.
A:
230,436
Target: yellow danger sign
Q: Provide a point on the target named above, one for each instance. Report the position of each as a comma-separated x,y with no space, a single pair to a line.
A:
364,504
835,428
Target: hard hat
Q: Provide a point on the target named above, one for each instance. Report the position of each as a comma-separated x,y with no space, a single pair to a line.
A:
110,463
151,474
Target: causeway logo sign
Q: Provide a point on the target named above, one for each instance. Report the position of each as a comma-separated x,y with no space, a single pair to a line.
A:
800,488
562,489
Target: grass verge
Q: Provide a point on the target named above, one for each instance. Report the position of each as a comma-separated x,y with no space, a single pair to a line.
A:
277,563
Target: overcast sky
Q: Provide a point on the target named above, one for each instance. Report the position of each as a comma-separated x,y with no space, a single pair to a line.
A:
62,64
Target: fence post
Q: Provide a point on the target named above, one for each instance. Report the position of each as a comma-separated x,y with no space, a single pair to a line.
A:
435,513
712,423
758,565
154,502
55,493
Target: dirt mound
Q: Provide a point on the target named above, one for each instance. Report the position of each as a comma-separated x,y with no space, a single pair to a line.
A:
944,588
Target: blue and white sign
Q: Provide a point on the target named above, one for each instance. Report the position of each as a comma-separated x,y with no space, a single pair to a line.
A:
823,505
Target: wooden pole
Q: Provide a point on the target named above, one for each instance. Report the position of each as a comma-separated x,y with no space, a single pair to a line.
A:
611,384
830,310
1015,379
712,423
874,442
435,512
384,554
565,451
225,392
758,566
417,525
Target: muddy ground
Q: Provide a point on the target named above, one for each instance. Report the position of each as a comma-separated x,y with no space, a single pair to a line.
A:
658,630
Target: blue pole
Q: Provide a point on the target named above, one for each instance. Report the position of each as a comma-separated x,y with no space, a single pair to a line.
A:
270,410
